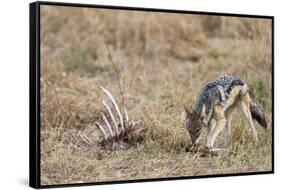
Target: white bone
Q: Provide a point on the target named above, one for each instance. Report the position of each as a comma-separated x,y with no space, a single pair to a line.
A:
115,105
133,124
85,139
99,126
108,125
112,116
73,138
126,114
88,140
136,123
76,142
183,117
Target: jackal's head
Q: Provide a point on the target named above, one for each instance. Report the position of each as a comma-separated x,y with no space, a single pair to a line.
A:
194,124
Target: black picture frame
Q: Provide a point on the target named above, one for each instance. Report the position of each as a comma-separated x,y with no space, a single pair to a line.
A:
34,92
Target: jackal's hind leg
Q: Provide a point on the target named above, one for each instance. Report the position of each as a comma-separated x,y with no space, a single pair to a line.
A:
227,132
245,109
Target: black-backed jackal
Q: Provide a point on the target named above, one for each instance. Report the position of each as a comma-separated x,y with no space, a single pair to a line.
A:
215,105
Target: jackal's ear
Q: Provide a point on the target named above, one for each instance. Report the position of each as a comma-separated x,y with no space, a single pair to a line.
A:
187,112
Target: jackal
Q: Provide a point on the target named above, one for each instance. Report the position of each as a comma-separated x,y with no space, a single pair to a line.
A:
215,105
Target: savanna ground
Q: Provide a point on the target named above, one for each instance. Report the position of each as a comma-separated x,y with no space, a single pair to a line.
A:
163,61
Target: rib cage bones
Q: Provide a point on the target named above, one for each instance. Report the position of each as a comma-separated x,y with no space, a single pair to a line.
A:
114,130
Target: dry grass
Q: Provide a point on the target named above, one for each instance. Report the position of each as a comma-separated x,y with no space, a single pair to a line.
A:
163,60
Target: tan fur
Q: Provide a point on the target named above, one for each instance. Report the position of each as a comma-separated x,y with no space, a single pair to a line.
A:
221,118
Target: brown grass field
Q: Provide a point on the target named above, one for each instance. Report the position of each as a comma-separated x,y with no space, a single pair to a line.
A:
163,61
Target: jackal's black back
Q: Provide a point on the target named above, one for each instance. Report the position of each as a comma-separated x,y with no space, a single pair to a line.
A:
210,92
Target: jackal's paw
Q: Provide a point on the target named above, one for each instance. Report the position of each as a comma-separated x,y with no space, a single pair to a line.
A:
216,149
193,147
212,151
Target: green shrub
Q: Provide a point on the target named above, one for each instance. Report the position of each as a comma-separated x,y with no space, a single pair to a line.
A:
79,60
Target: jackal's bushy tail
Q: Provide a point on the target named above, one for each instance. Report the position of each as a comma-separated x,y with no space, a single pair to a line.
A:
258,114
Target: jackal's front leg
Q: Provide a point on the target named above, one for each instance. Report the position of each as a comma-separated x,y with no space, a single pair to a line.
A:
220,124
210,129
227,132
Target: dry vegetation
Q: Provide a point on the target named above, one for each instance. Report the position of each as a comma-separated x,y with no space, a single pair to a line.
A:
163,59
